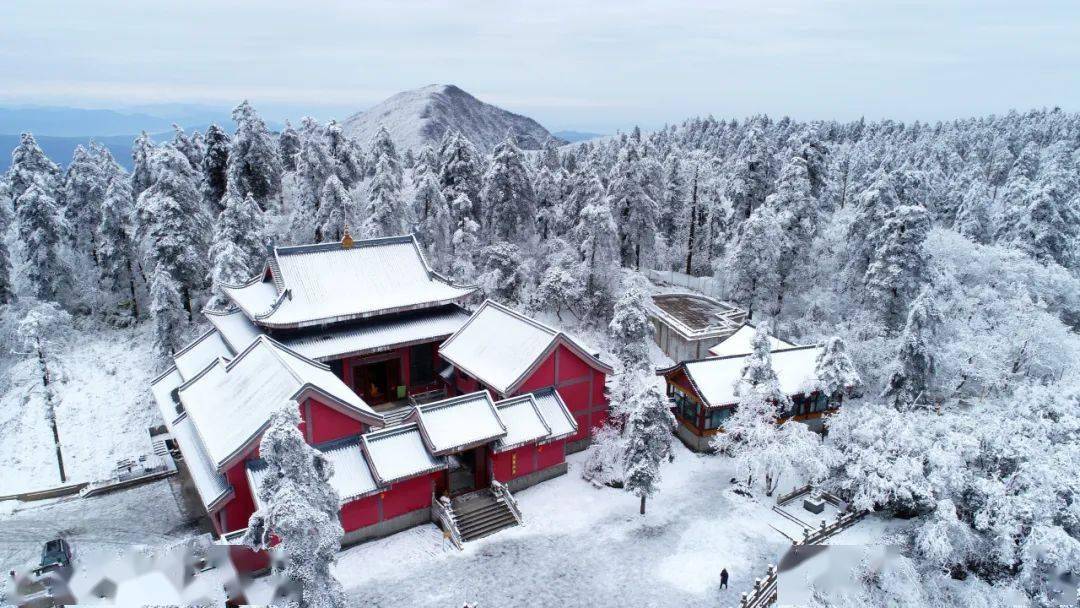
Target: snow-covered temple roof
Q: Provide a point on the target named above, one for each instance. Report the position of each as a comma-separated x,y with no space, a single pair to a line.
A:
398,453
714,379
310,285
523,421
212,486
555,413
380,334
203,351
742,342
236,329
458,423
351,478
500,347
231,403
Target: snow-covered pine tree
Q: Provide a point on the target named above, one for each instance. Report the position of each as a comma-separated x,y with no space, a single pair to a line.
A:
649,433
189,146
834,372
215,168
348,158
637,214
597,239
239,246
753,262
313,166
383,149
385,213
1044,224
434,225
82,193
466,240
504,271
674,212
300,516
174,224
141,175
254,160
630,328
336,211
549,156
166,309
7,288
509,201
871,205
973,217
38,226
912,371
288,147
899,263
560,285
460,171
426,162
117,260
798,212
30,166
548,195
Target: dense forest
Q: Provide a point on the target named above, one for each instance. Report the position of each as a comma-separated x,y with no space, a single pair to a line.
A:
941,257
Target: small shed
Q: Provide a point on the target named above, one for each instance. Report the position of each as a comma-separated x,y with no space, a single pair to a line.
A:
687,325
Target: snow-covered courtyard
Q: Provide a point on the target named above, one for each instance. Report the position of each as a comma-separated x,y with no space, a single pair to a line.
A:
583,546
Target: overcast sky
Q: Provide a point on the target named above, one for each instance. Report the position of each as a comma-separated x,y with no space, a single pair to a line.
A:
584,65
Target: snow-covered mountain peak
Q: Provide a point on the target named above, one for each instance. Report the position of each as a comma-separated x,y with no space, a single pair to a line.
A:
421,116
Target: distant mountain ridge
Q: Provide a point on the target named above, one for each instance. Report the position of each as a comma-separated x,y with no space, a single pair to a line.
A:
420,117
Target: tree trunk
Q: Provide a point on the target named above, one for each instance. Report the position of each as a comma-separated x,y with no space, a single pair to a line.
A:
131,286
693,222
186,293
642,504
50,410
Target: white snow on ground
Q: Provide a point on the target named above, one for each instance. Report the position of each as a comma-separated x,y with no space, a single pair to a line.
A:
585,546
103,410
98,529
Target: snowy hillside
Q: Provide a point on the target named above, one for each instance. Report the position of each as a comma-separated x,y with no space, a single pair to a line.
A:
421,116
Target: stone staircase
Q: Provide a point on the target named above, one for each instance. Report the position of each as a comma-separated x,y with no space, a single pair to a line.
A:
483,513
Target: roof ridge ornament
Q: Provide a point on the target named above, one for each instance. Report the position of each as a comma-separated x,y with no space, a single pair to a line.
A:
347,241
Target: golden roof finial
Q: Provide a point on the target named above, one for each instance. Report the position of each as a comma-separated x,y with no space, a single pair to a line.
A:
346,240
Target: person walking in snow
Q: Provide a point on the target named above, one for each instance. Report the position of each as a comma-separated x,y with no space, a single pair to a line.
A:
723,578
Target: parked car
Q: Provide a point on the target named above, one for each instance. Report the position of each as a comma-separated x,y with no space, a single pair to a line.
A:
55,555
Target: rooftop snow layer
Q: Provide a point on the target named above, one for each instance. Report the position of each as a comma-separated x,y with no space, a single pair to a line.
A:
499,346
162,388
459,422
351,479
378,335
398,453
715,378
211,485
230,404
236,329
206,349
695,316
523,421
327,283
742,342
555,413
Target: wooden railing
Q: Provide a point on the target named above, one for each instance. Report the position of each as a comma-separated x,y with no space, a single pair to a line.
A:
764,591
502,491
443,513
